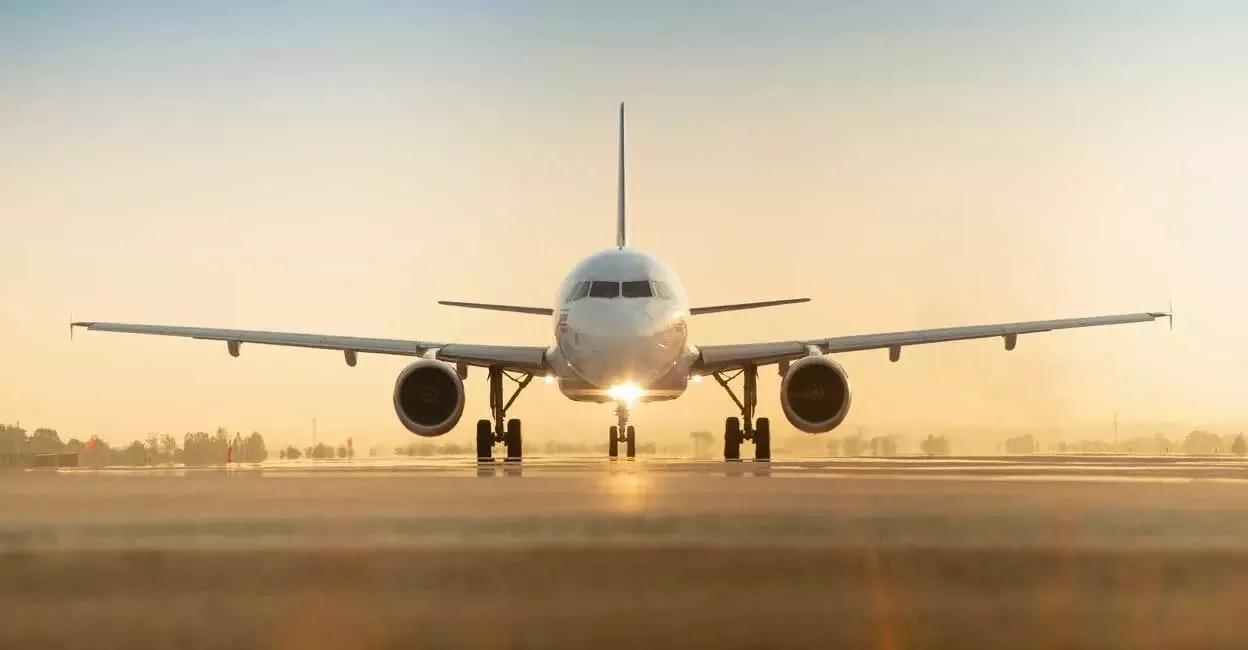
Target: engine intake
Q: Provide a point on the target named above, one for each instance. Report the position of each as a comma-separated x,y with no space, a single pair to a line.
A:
815,394
429,398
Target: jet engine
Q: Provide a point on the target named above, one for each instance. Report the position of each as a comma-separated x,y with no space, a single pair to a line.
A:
815,394
429,398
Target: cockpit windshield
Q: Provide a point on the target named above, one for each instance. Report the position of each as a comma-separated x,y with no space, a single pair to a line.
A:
603,289
612,289
579,291
636,289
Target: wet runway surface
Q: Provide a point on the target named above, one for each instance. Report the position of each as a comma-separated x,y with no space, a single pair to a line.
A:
1043,552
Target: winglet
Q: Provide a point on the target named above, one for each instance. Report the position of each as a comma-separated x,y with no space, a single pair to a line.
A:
621,224
1170,313
71,327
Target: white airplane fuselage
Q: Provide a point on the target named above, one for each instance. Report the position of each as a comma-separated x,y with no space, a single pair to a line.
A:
620,324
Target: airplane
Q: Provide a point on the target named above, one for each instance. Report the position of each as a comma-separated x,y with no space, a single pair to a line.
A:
620,321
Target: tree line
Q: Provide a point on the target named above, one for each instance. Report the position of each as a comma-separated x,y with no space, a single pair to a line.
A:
1195,443
197,448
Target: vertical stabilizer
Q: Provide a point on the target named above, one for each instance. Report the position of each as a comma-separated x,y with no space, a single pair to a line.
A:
621,223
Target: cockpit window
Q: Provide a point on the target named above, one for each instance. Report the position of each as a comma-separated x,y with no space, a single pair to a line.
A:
601,289
660,289
579,291
636,289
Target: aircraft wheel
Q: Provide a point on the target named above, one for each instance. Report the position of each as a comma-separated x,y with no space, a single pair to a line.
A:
613,447
630,442
762,439
732,439
485,441
514,440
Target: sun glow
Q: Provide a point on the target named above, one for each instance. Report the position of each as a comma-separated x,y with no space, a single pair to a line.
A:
627,392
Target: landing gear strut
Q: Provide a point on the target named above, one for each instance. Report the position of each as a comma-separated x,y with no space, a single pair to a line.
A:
623,432
493,431
736,430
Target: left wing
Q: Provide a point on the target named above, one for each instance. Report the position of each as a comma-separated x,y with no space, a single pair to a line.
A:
530,359
540,311
716,358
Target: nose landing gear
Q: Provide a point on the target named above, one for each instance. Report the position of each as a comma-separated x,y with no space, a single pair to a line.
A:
493,432
736,430
623,432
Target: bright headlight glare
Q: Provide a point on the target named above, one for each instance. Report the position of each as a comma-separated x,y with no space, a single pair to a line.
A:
627,392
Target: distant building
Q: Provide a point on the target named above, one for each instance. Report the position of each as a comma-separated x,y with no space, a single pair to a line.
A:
883,446
1024,444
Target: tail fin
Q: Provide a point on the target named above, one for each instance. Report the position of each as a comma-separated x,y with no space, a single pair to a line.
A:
621,223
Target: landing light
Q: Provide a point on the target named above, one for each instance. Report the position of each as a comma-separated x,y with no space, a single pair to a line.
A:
697,379
550,379
627,392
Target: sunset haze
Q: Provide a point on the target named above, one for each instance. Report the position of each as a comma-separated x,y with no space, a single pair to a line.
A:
339,167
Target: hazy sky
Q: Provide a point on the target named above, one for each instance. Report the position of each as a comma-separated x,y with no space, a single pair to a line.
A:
339,167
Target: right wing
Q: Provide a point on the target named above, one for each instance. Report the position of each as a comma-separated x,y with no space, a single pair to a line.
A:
715,309
717,358
531,359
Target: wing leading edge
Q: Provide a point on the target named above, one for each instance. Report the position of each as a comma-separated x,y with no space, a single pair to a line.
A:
715,358
512,357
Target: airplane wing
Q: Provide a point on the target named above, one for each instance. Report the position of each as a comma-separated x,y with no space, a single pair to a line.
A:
540,311
717,358
512,357
715,309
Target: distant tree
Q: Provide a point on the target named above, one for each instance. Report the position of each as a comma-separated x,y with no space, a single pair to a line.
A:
44,441
74,446
342,451
883,446
12,439
220,442
168,446
1024,444
853,445
292,453
452,449
1239,447
1200,443
935,446
834,447
320,451
96,453
199,448
135,454
254,450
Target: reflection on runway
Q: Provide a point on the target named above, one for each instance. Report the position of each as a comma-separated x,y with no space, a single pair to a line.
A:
1073,552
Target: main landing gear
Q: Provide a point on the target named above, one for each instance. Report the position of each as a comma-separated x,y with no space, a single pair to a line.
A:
492,432
623,432
736,430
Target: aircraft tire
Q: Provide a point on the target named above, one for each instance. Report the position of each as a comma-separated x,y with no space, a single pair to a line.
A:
732,439
613,445
514,440
485,441
762,439
630,442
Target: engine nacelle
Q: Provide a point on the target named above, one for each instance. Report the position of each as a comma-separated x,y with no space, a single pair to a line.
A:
429,398
815,394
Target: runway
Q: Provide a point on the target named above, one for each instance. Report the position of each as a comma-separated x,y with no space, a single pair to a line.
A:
1072,552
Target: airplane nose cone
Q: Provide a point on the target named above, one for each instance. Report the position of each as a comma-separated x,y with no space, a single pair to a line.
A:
621,324
620,346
